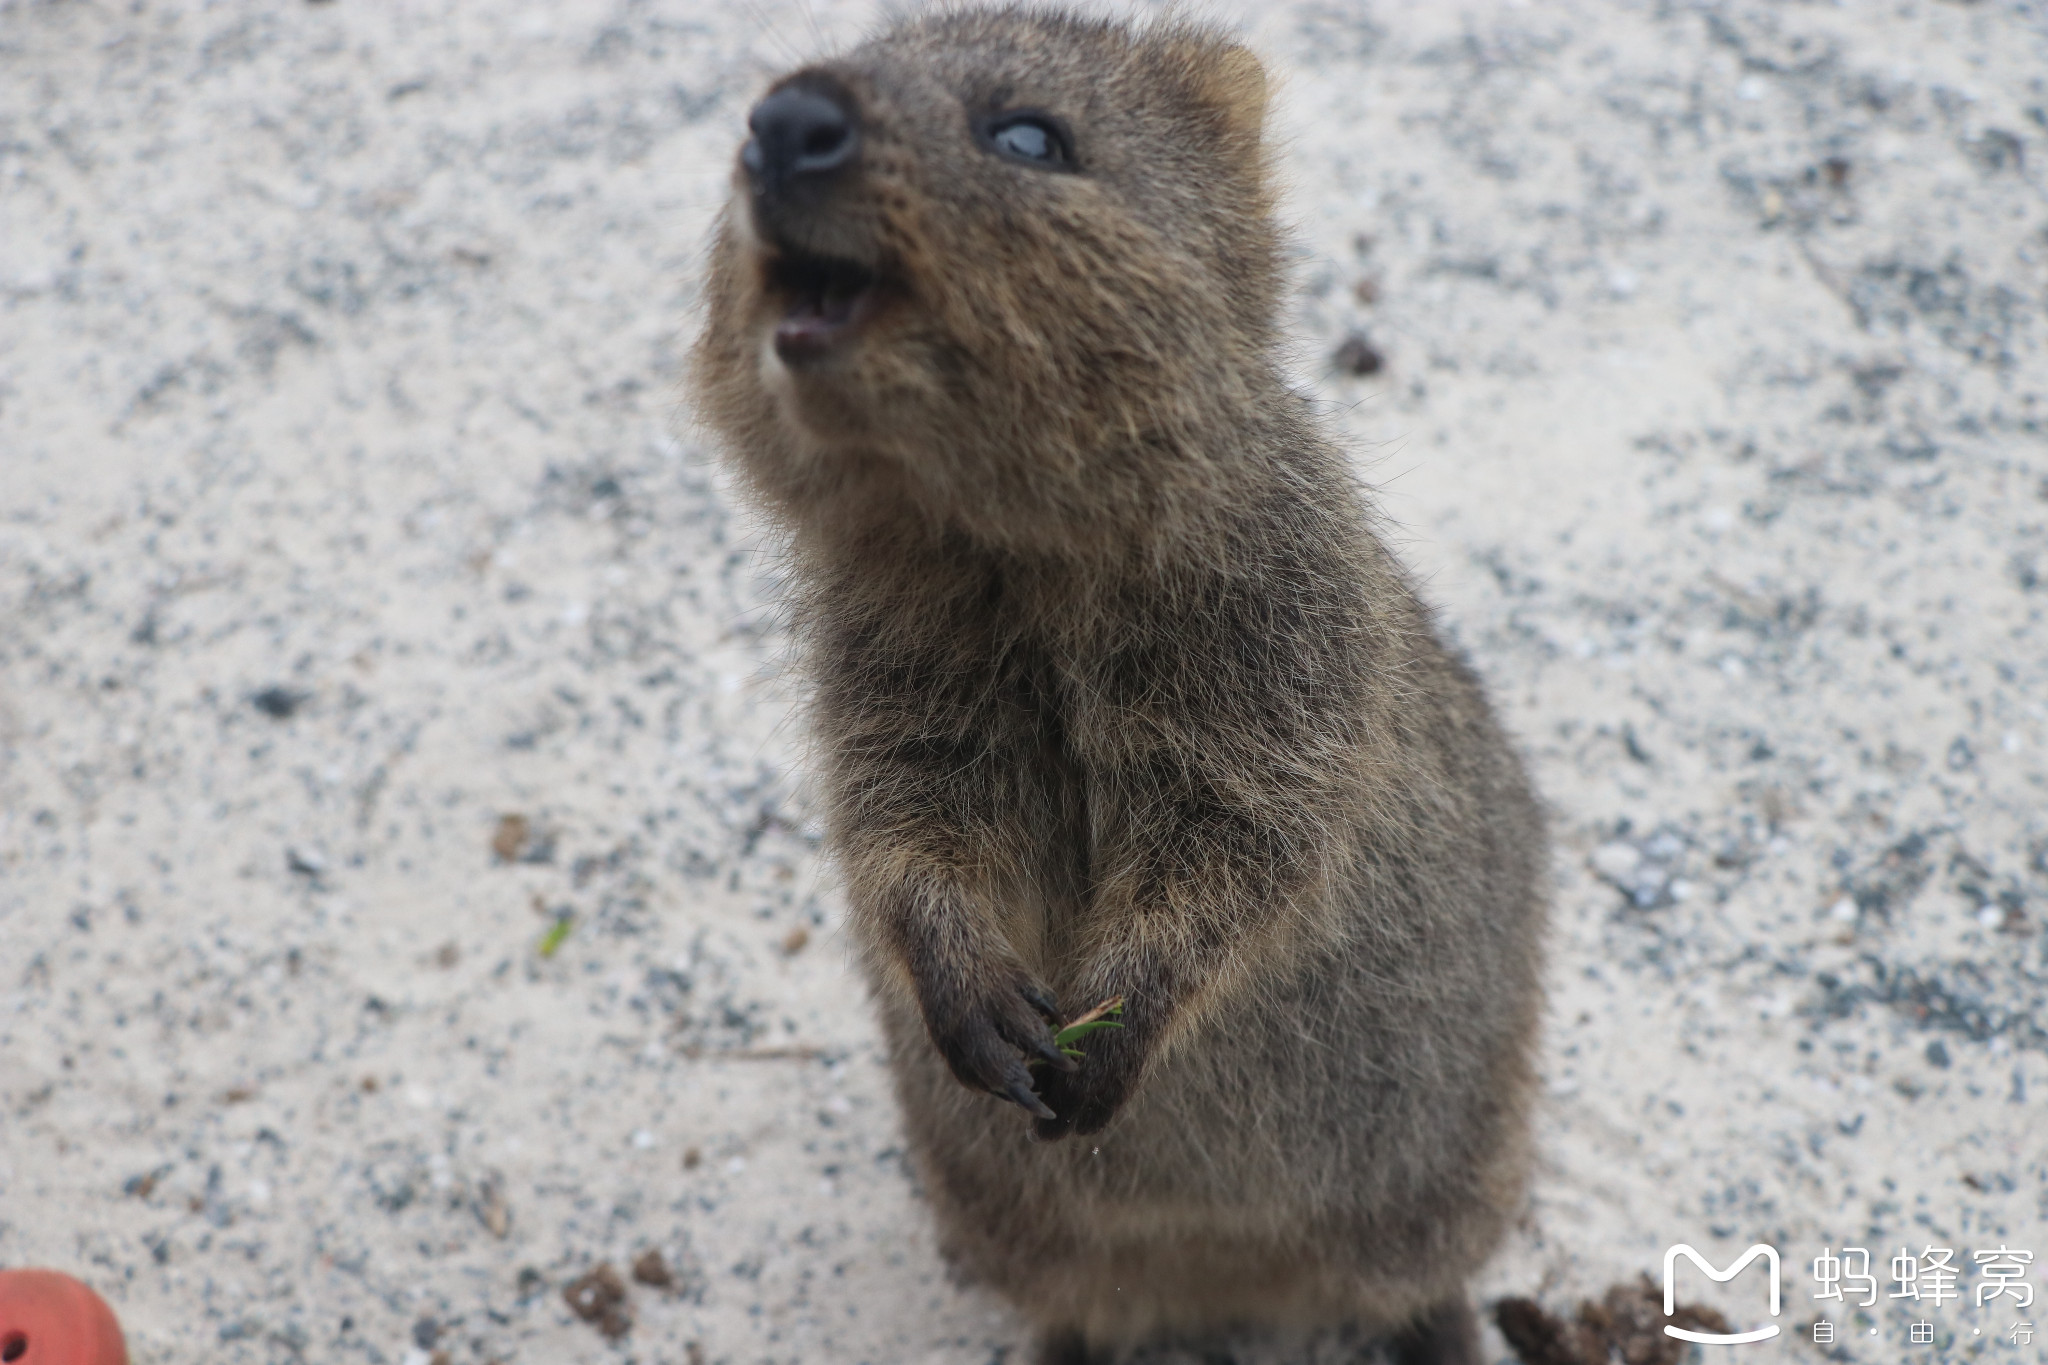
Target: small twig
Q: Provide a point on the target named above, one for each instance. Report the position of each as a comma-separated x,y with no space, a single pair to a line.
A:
1109,1006
1108,1014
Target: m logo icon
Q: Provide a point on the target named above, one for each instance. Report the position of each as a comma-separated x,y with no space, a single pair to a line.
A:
1671,1256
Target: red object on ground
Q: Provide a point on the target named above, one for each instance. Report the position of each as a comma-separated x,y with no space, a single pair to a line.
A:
47,1318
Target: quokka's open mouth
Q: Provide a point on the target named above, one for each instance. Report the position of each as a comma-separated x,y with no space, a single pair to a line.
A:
827,298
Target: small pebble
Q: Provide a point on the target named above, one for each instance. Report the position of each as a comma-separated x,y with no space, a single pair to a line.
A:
1357,356
510,837
279,703
598,1296
650,1269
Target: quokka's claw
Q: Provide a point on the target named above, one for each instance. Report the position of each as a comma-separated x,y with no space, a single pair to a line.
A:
1042,1000
1020,1094
1053,1055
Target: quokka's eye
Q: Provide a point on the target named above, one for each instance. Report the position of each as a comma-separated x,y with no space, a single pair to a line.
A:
1035,139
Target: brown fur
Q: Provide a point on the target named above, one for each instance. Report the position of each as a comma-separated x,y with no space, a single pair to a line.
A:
1117,693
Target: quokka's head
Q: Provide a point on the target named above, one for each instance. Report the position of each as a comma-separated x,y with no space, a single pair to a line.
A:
1008,270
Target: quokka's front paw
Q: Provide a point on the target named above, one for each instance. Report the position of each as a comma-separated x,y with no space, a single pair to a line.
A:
1085,1097
986,1029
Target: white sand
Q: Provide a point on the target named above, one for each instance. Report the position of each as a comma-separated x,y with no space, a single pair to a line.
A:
339,354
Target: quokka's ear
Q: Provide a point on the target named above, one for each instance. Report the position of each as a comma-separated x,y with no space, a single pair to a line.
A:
1239,85
1226,76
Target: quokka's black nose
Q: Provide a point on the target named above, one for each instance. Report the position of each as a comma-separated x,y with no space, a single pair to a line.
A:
801,135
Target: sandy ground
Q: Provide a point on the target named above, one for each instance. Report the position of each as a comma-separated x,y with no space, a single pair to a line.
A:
346,510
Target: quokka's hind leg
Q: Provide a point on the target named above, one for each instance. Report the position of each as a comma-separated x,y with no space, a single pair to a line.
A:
1446,1335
